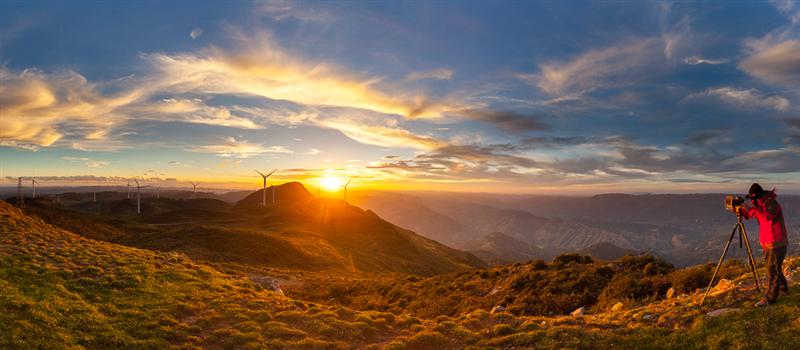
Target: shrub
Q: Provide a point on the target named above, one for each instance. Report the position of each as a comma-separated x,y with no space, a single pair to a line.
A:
626,287
539,265
646,264
428,340
565,259
689,279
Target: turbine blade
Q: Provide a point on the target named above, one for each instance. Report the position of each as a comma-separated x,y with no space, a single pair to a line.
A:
259,173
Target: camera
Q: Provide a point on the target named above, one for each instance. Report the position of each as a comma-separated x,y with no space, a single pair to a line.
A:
733,203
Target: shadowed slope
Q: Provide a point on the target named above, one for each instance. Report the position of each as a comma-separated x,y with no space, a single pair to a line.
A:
297,232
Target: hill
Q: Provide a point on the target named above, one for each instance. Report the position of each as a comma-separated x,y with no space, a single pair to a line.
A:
297,232
605,251
59,290
62,291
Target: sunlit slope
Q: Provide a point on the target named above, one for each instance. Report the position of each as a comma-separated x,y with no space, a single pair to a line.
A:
62,291
59,290
298,231
362,238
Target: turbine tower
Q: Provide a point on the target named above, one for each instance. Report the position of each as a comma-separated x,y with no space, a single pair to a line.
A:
139,197
194,190
20,198
33,185
264,192
129,188
273,191
345,188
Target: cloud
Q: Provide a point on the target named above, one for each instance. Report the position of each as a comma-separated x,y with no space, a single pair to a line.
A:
599,68
196,33
89,163
696,60
749,98
280,10
261,67
788,8
233,148
313,152
35,106
459,163
437,74
377,134
777,63
793,122
506,120
190,111
40,109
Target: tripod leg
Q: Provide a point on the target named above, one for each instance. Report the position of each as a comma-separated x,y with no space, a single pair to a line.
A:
719,264
750,256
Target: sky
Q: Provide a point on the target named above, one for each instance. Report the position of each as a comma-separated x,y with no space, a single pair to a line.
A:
565,97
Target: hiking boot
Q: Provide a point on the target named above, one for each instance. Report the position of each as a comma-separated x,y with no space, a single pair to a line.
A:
762,303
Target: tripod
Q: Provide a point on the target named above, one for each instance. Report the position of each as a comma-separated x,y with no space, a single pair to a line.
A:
737,227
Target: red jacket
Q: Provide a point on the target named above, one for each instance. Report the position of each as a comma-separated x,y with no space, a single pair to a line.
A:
772,229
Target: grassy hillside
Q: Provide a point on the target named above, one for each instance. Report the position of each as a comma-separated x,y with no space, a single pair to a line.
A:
298,232
59,290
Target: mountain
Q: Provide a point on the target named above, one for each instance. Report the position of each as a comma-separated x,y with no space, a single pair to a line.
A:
411,212
606,251
297,232
473,221
684,229
498,248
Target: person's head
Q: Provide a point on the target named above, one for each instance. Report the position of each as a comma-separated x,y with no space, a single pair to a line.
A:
755,191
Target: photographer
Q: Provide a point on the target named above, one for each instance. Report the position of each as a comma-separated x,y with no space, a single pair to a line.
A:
772,236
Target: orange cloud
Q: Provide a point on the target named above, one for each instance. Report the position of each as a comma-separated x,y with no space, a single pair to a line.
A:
262,68
33,104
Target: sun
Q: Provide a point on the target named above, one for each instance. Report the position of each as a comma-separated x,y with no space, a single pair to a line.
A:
330,183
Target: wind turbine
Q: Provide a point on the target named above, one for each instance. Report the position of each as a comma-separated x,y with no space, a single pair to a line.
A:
129,188
33,184
194,189
158,194
273,191
20,198
264,192
345,188
139,197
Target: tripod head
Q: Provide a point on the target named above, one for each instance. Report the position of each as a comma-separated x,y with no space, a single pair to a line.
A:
733,203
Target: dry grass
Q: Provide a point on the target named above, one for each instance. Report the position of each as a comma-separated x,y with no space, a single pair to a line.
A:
59,290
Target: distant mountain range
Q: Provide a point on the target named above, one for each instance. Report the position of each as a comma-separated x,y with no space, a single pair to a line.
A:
684,229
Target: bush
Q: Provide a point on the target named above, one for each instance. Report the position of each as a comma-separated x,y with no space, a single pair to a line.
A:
689,279
565,259
646,264
627,287
539,264
428,340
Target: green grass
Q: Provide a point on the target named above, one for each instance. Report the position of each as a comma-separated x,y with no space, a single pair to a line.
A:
59,290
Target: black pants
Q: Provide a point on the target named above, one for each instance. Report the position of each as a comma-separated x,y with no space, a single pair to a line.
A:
774,261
